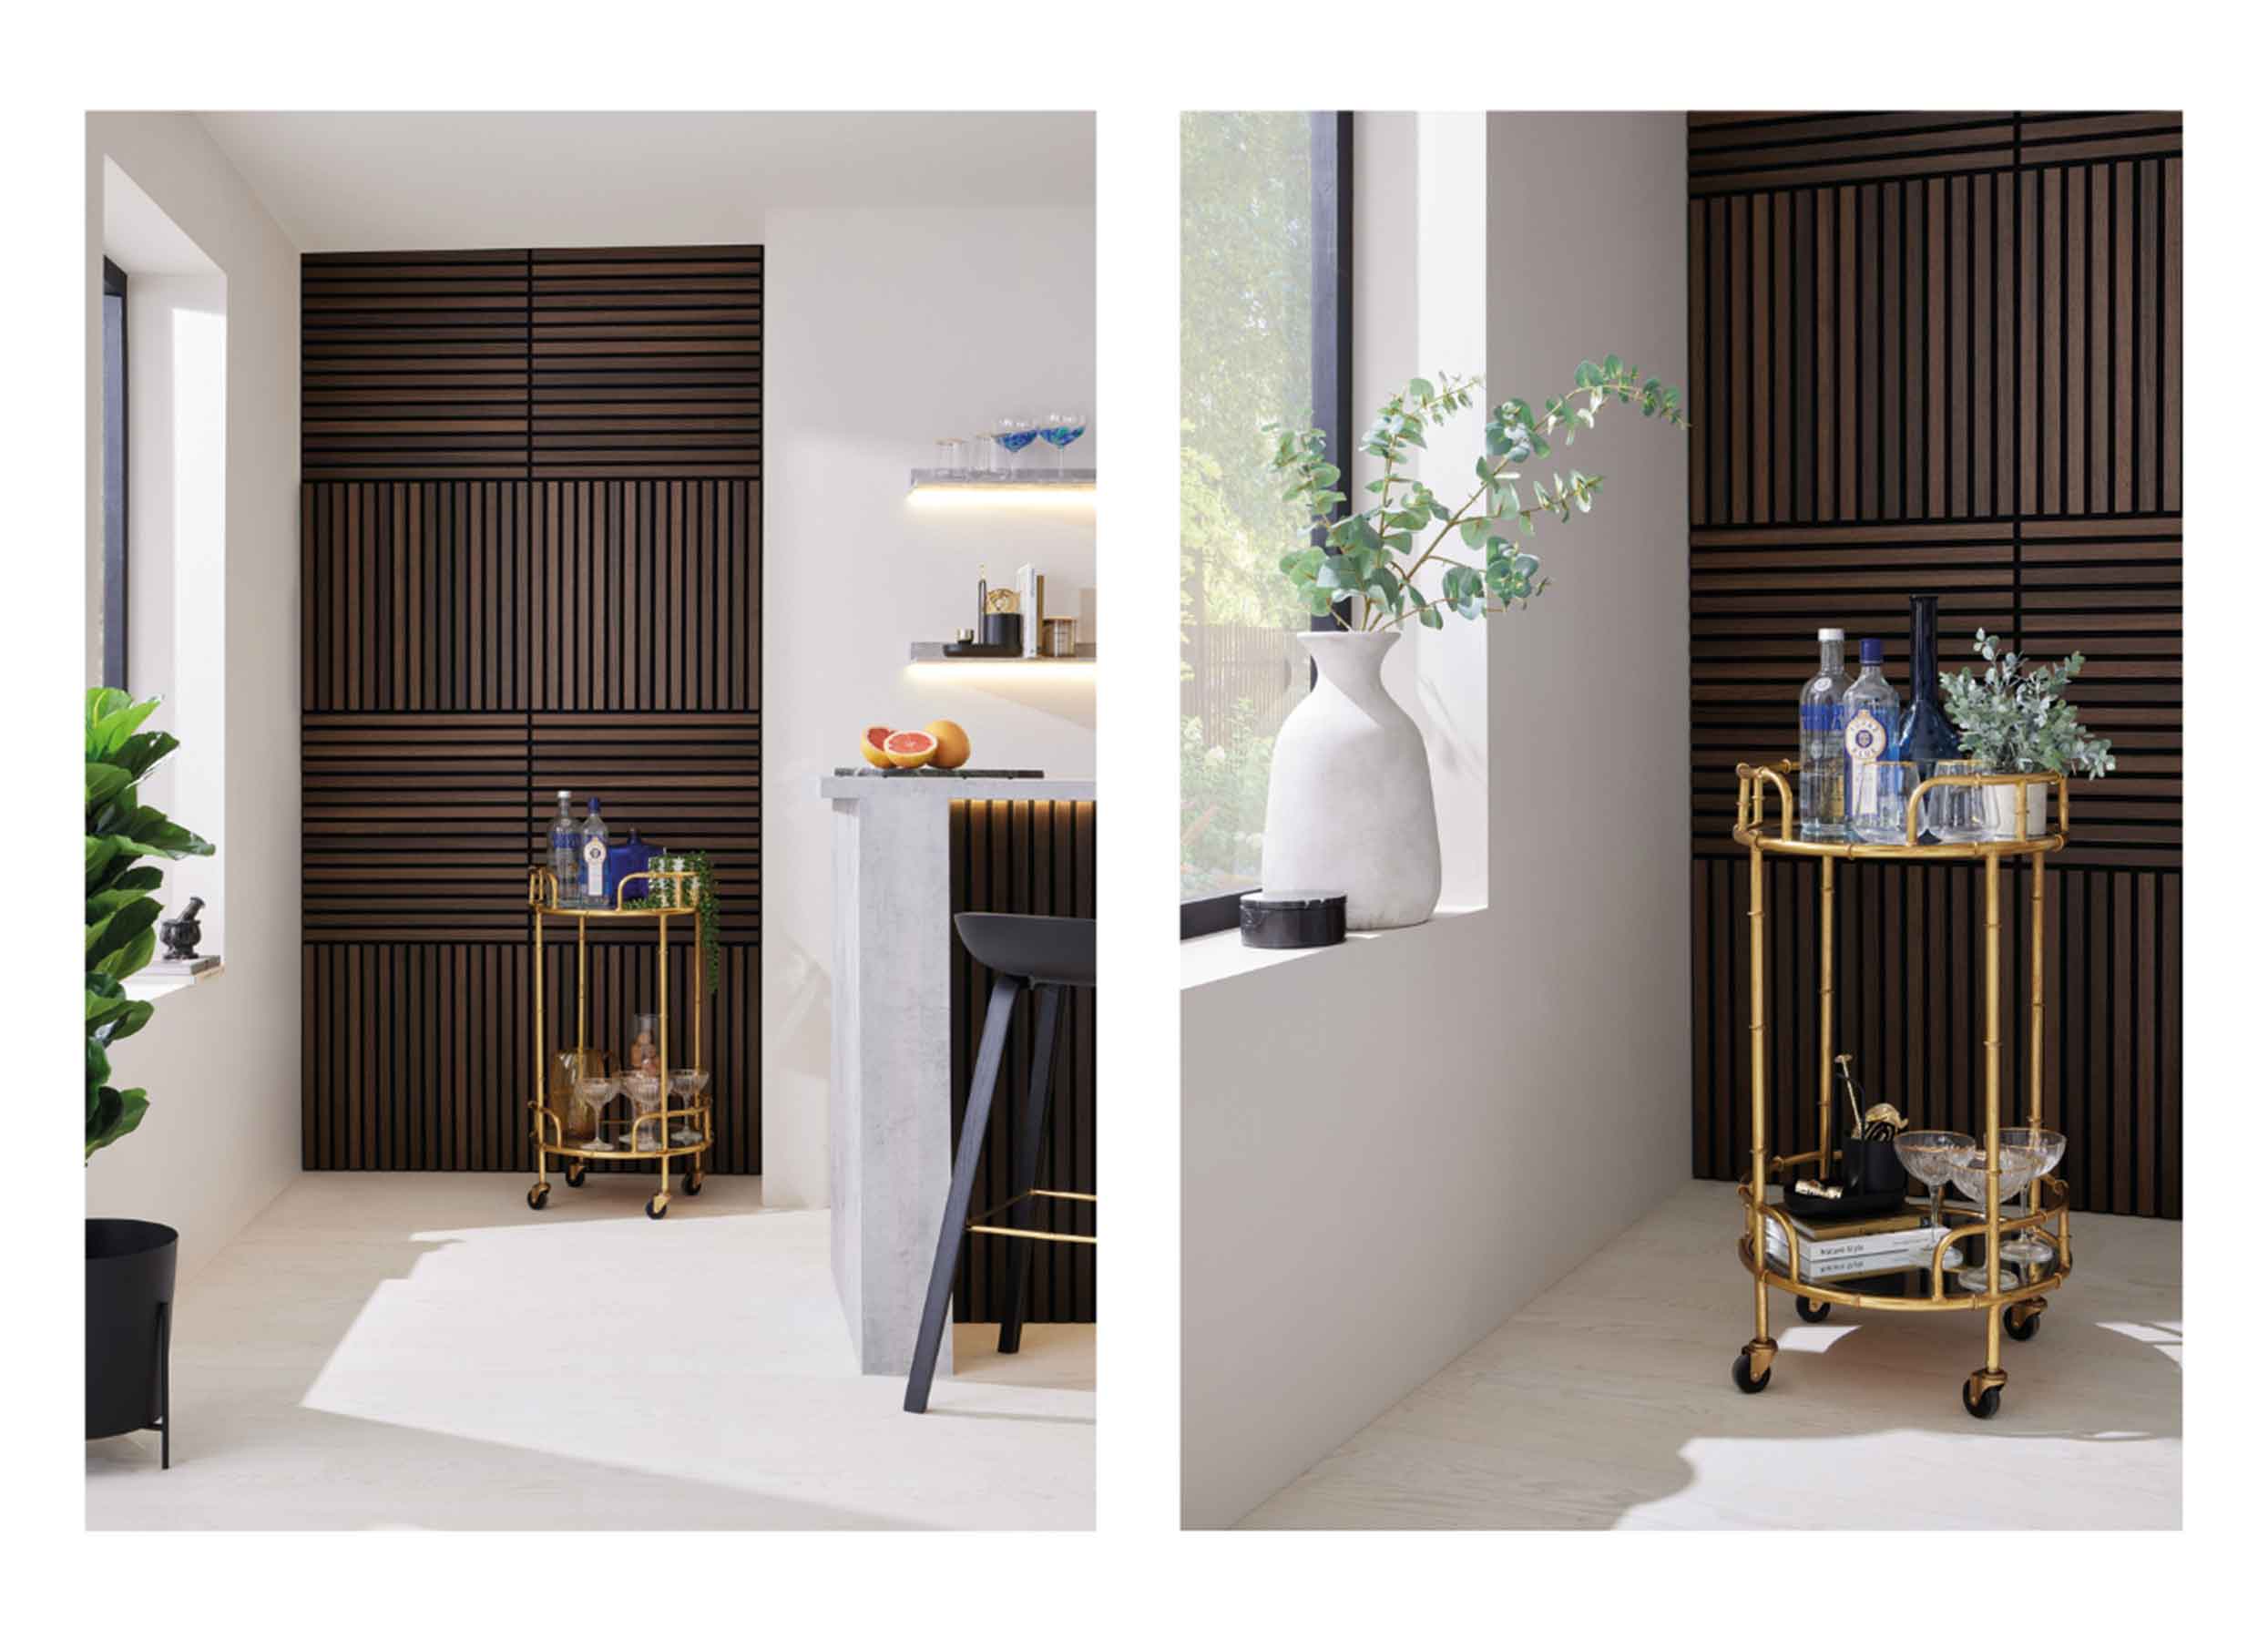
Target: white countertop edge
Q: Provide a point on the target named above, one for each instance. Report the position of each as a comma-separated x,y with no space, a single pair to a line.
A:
860,788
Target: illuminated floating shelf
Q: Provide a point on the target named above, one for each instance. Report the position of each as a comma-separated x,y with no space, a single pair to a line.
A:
933,654
1037,482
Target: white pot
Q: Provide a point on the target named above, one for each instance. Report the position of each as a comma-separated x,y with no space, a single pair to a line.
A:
2000,803
1351,794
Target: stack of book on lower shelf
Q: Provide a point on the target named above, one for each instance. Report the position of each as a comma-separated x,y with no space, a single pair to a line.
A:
1836,1251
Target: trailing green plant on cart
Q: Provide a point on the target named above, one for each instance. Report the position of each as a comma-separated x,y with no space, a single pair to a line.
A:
704,900
123,838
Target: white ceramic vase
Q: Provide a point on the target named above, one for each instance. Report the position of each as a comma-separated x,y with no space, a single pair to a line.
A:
1351,794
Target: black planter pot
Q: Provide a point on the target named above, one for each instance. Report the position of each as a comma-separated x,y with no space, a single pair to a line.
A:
129,1329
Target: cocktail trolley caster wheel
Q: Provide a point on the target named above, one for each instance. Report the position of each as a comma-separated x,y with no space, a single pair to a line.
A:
576,1174
1981,1399
2021,1322
1812,1311
1740,1376
656,1206
540,1196
693,1186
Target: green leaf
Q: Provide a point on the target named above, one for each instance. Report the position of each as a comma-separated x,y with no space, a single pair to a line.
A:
1420,388
120,1114
119,931
105,781
1430,617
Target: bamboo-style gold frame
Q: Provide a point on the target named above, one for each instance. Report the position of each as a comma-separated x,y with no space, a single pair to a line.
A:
543,901
2049,1198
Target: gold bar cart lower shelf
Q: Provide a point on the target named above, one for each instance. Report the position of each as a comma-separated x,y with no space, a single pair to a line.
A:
667,896
2015,1308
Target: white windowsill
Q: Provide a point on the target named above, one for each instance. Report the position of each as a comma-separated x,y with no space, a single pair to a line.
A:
1213,957
145,987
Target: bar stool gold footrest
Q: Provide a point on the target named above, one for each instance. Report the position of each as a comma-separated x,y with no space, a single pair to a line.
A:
977,1225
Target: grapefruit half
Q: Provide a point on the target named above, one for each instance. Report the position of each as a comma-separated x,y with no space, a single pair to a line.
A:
870,739
910,748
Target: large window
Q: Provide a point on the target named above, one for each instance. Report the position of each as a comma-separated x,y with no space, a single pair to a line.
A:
114,488
1265,334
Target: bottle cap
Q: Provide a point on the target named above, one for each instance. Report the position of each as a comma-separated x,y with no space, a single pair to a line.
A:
1830,634
563,794
594,805
1870,652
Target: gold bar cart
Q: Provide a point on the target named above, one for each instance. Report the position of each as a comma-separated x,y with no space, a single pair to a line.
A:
2016,1309
550,1133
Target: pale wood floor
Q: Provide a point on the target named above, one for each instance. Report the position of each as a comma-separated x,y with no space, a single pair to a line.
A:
419,1350
1609,1402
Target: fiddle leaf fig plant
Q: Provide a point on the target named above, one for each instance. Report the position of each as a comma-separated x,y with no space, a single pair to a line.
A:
1374,552
123,838
2018,722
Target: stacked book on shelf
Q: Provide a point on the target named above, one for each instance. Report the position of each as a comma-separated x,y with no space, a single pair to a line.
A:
1836,1251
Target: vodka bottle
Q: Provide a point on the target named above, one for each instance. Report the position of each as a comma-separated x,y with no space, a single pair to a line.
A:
565,854
1870,726
1819,749
594,871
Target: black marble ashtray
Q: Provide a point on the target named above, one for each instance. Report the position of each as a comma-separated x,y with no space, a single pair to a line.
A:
949,773
1292,920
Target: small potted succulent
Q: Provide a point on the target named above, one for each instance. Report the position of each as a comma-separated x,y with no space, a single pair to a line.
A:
2017,723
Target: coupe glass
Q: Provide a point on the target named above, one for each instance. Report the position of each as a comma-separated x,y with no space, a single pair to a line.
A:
685,1092
1062,430
2031,1249
1959,813
595,1092
2022,1160
1878,794
643,1089
1930,1155
1012,434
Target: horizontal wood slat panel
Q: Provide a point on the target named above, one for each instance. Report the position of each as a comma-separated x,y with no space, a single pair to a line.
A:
572,363
686,782
1037,858
1941,351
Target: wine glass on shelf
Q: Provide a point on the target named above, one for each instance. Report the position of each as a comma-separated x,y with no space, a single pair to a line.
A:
1930,1154
685,1089
1062,430
2031,1249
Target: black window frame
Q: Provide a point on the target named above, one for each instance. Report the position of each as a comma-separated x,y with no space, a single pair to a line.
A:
1330,170
115,489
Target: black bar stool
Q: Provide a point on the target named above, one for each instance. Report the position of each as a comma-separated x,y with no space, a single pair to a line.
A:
1045,954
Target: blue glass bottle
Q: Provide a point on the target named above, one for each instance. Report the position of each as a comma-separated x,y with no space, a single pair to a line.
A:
1924,738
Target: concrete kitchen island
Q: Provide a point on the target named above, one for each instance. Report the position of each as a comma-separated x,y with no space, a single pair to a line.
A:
890,1102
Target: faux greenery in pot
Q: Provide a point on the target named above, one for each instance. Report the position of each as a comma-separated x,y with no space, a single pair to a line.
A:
2018,722
123,839
1374,553
668,895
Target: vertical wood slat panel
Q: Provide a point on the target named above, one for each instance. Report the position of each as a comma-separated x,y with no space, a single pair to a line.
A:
1989,336
1037,858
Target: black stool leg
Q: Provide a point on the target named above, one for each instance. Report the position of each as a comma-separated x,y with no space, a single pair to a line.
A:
1031,1122
969,1151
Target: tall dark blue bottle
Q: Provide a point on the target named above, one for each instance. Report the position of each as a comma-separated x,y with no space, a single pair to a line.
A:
1924,735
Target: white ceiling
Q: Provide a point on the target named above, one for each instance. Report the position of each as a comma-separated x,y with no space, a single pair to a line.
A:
461,182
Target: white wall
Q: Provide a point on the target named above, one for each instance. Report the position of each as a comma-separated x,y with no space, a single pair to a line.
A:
885,330
221,1059
1390,1146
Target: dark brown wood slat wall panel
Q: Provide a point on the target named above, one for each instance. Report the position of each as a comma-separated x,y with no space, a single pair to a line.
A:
1038,858
415,365
648,362
530,559
1940,352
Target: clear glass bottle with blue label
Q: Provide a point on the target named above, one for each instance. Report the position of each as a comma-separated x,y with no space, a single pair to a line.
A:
1869,728
597,891
1820,809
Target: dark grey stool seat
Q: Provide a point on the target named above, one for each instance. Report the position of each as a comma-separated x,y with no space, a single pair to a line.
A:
1046,955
